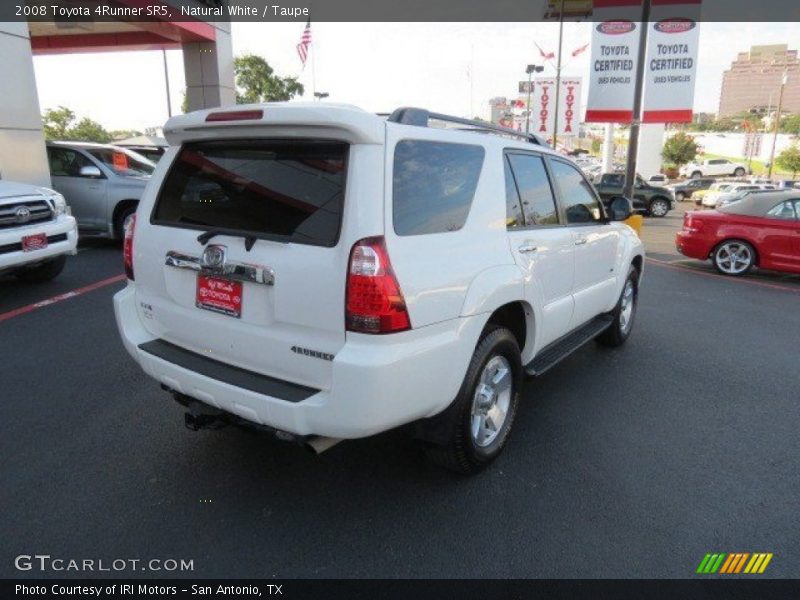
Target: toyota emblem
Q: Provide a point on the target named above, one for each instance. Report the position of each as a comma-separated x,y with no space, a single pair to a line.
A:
214,256
23,214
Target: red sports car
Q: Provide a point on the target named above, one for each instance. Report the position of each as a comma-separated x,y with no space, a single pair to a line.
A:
761,230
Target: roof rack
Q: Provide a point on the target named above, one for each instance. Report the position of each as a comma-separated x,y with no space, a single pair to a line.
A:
419,117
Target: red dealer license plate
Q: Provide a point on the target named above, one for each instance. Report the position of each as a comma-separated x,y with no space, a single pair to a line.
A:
37,241
219,295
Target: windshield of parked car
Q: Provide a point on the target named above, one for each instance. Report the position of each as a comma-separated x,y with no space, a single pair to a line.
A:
123,162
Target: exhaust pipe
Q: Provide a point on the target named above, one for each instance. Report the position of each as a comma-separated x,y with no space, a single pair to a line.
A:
318,444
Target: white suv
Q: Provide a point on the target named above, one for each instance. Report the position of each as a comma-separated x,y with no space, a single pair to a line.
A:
37,232
323,273
713,167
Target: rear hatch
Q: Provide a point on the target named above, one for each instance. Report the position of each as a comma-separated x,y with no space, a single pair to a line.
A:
243,255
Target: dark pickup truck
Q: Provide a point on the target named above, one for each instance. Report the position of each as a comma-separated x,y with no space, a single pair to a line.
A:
653,201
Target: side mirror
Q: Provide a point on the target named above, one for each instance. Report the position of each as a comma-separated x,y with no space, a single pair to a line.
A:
620,208
90,171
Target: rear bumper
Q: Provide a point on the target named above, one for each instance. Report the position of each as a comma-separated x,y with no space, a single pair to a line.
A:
692,246
62,236
378,383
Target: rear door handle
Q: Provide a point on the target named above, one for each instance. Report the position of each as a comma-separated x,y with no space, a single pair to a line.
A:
527,249
580,241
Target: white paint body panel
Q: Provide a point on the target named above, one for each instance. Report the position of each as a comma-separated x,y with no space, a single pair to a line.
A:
452,283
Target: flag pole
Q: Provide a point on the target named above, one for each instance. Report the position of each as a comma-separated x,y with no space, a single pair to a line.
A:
313,70
558,71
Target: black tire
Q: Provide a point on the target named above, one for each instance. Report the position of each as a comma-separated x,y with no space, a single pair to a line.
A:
740,172
43,272
734,270
459,450
696,175
119,222
659,207
619,331
680,196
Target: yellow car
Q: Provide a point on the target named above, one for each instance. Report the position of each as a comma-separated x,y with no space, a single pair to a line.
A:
716,187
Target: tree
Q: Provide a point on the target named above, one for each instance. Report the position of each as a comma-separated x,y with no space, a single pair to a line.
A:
89,131
58,125
789,159
57,122
790,124
679,149
257,82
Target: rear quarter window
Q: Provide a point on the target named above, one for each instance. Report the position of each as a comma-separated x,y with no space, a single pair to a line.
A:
289,190
433,185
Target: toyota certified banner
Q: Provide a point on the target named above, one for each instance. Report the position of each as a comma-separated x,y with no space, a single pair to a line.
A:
543,106
671,67
612,71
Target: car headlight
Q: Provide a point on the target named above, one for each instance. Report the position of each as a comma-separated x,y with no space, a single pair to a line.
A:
59,204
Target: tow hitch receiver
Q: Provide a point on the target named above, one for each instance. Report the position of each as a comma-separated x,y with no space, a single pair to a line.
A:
204,421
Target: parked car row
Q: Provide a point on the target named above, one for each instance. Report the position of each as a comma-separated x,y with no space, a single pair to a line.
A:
97,188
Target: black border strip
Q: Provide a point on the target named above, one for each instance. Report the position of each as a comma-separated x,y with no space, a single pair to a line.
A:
209,367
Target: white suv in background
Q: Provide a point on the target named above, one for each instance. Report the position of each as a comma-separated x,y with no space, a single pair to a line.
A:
322,273
713,167
37,232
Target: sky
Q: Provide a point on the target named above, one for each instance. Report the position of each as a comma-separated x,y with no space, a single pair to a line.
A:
446,67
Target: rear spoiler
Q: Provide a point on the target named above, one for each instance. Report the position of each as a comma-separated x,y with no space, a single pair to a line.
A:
287,119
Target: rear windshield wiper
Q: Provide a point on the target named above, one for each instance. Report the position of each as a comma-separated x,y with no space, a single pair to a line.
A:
204,238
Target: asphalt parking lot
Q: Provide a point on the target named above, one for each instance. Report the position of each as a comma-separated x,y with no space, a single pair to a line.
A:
624,463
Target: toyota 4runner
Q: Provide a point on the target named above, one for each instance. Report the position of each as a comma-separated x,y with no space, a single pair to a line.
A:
37,232
323,273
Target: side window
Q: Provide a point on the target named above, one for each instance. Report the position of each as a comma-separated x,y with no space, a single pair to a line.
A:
434,184
580,203
514,217
64,162
614,180
538,203
783,211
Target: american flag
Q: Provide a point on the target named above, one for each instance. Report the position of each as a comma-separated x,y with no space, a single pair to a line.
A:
305,42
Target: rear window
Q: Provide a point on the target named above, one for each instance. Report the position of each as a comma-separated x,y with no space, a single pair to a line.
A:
434,184
287,190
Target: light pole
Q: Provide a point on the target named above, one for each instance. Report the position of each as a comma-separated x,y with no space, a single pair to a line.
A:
166,82
784,80
320,95
530,70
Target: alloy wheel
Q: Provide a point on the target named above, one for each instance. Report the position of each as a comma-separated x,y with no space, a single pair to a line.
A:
734,258
627,306
491,401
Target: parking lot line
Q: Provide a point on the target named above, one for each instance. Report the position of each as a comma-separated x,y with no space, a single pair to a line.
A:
678,267
60,297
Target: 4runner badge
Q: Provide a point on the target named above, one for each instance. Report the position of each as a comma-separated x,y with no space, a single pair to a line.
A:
312,353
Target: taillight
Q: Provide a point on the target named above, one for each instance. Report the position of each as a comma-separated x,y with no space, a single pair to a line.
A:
127,247
691,223
375,303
